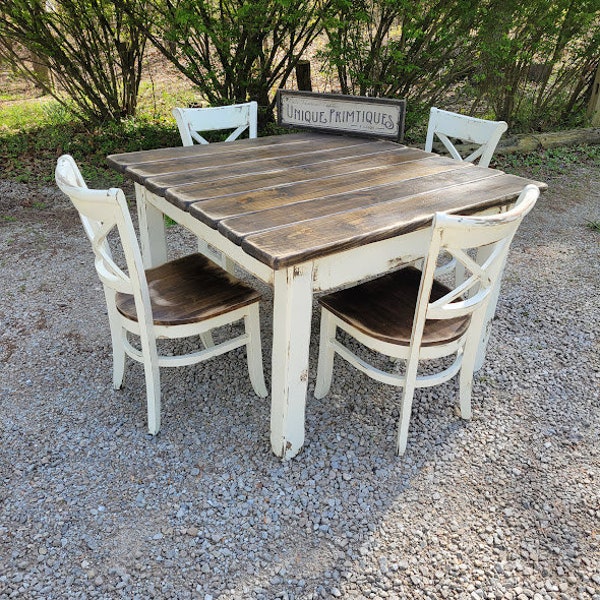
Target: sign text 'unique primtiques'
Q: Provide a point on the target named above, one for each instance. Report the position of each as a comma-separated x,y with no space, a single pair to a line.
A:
351,114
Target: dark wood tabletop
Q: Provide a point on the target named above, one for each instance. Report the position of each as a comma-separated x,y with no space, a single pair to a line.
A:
291,198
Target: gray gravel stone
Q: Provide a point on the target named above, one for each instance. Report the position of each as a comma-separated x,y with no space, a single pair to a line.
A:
503,507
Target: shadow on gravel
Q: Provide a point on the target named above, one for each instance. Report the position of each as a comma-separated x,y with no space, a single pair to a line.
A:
504,505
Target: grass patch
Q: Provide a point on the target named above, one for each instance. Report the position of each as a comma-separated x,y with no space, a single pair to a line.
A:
595,225
34,133
550,162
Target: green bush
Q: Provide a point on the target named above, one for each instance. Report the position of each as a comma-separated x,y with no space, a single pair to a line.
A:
529,63
232,50
86,53
34,134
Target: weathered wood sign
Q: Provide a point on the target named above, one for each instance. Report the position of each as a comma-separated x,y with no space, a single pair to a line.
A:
358,115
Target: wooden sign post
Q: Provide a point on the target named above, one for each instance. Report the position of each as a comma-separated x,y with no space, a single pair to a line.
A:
337,113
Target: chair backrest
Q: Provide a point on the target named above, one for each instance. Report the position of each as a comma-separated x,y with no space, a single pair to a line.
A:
446,125
490,237
239,117
100,212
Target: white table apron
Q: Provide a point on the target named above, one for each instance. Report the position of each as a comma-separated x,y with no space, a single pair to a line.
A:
293,290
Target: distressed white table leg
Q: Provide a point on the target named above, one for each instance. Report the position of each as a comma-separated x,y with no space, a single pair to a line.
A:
292,311
216,256
152,230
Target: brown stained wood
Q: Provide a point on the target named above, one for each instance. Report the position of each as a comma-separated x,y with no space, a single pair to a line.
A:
303,75
189,290
204,163
121,162
293,244
256,184
214,169
298,205
355,185
318,205
384,308
310,202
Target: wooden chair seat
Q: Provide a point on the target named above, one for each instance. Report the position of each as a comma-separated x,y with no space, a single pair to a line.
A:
384,309
183,299
189,290
409,315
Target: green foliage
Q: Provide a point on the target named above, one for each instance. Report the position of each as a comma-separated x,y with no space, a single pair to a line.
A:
232,50
595,225
87,54
33,134
529,63
404,48
551,162
536,60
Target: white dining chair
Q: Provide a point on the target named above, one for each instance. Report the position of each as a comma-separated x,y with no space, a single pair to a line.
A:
192,121
447,125
409,315
239,117
182,298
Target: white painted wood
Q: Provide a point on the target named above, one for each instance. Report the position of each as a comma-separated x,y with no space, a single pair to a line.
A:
446,125
292,311
363,262
212,236
102,211
472,296
151,225
344,268
239,117
295,288
191,121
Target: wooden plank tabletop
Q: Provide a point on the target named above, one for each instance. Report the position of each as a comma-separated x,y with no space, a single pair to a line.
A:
291,198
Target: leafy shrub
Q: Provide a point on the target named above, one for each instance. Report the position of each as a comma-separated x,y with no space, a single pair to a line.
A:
85,53
232,50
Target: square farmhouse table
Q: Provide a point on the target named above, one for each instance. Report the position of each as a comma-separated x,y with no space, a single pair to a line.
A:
306,212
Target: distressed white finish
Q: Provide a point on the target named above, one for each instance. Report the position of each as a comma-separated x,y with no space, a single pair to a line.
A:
471,296
293,292
268,225
239,117
191,121
101,211
446,125
292,310
152,225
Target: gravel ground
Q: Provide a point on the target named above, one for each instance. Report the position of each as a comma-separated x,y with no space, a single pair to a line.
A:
504,506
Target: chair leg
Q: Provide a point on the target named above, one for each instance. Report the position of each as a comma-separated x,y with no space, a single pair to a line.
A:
326,355
207,339
152,375
117,335
254,352
465,389
153,397
408,393
118,358
465,380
